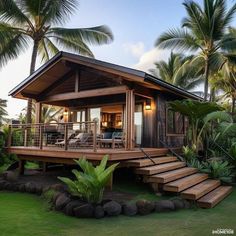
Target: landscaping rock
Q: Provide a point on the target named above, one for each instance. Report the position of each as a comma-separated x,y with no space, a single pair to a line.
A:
61,201
30,187
58,187
69,208
179,204
21,188
112,208
55,196
187,204
3,184
130,209
11,176
145,207
84,211
99,212
164,205
38,189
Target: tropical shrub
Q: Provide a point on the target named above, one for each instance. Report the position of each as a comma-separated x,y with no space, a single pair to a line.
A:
189,153
201,117
91,181
221,170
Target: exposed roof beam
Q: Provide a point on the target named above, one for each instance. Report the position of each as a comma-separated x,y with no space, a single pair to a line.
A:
85,94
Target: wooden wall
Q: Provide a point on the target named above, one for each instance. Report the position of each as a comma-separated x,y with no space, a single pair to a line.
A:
154,123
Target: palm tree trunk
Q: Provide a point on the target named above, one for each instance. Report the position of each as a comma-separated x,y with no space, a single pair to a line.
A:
212,96
206,78
32,69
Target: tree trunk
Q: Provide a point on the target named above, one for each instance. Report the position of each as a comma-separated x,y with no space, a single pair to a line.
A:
212,95
32,69
206,78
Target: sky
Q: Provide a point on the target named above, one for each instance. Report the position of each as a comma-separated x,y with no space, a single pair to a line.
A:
136,24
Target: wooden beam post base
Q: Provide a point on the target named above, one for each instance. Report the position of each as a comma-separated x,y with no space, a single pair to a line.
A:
21,167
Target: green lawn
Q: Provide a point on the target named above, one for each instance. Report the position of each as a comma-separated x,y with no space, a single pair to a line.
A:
26,215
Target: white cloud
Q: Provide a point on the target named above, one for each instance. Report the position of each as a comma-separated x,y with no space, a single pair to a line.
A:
147,59
136,49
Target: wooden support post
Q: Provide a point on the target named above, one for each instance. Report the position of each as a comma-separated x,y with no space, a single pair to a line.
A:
129,120
40,136
110,183
44,167
25,136
21,167
9,137
38,112
95,137
66,137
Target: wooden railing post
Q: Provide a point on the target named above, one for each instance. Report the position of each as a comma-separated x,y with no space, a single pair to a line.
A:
40,136
66,136
9,136
25,136
95,137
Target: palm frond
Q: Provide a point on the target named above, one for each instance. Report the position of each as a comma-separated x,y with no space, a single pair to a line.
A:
177,38
94,35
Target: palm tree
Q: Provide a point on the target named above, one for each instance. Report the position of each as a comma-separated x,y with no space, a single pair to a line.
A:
49,113
3,112
203,31
177,71
23,22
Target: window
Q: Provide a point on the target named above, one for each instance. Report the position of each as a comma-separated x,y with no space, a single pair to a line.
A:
174,123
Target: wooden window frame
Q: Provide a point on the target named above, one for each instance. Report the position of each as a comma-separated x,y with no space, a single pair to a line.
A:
174,134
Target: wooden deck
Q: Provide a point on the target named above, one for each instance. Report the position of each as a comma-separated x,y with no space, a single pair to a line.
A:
57,155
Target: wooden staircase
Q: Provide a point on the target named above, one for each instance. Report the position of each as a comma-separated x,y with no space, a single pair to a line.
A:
172,175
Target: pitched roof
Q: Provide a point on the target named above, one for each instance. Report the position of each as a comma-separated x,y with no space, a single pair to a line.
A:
147,78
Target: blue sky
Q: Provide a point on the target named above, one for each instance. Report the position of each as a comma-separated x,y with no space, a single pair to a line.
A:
135,24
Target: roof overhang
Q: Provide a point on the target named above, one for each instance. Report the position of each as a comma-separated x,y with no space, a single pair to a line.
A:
60,65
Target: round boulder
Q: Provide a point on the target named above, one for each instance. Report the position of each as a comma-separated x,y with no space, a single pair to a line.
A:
187,204
84,211
145,207
21,188
69,208
112,208
99,212
58,187
179,204
61,201
3,184
30,187
164,205
130,209
11,176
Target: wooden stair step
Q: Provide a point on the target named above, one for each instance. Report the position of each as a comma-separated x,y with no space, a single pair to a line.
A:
148,162
155,169
171,175
200,190
214,197
184,183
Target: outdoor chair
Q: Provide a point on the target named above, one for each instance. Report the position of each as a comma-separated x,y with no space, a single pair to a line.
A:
117,139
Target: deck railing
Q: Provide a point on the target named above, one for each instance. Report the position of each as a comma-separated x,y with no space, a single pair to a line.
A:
65,136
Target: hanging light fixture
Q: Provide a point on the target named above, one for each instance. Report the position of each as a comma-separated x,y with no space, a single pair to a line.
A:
148,105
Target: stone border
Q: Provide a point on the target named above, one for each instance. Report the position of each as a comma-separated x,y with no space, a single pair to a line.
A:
62,201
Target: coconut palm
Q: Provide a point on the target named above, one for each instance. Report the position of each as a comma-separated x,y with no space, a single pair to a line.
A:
24,21
177,71
203,31
49,113
3,112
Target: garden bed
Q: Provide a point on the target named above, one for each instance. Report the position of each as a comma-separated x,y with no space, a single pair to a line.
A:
114,202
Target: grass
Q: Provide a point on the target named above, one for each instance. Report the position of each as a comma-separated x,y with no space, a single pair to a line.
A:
25,214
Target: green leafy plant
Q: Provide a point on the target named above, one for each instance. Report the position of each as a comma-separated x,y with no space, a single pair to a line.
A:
91,181
221,170
195,163
189,153
201,116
